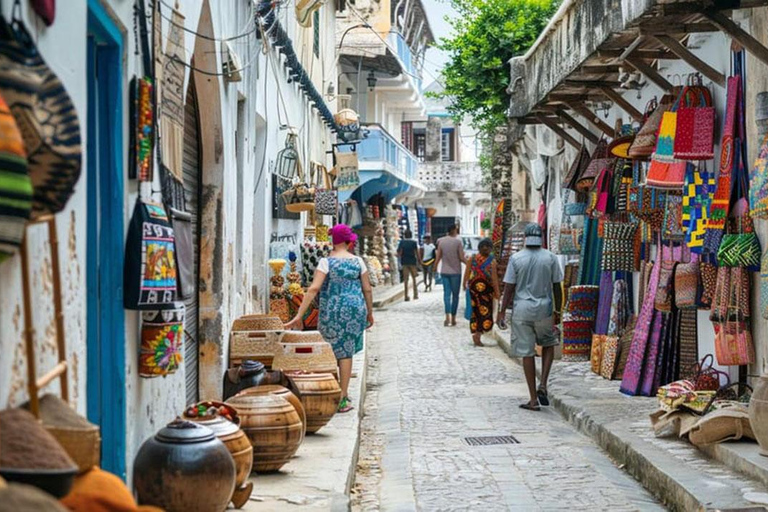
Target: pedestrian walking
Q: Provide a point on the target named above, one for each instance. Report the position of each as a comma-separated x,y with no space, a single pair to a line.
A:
427,257
450,252
346,304
532,281
481,280
408,252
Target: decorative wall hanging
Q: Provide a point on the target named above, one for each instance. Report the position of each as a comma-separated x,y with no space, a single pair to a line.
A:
183,236
46,118
347,170
150,260
162,333
142,136
15,185
697,198
171,104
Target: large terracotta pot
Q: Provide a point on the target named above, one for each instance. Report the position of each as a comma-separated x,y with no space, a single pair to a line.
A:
241,450
277,390
273,427
184,468
758,413
319,394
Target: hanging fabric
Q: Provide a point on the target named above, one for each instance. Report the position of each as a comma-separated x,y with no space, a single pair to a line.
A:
645,141
665,171
347,170
721,200
697,199
15,185
577,168
601,160
758,183
695,129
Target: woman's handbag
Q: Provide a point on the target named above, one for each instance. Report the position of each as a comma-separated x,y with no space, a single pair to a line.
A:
618,246
645,141
695,131
326,199
665,171
688,285
733,343
673,219
666,290
697,198
578,166
149,272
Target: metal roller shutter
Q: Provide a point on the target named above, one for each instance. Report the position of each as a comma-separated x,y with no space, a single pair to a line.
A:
191,169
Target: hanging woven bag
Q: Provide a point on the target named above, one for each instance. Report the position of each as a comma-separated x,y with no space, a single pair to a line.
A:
695,129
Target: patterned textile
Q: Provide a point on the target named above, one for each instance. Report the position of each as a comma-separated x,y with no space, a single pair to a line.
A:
596,358
162,333
15,186
695,134
619,308
758,183
46,117
673,218
618,246
697,199
648,382
481,294
591,254
625,344
689,343
579,322
630,384
343,313
311,254
687,279
665,171
610,356
497,236
718,212
604,303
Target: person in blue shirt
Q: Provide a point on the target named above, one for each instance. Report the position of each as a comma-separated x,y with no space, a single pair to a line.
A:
408,252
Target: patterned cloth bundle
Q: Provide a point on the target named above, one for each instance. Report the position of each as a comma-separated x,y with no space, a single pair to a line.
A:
579,322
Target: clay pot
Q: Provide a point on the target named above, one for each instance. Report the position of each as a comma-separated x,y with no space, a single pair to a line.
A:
758,413
276,390
241,450
184,468
319,394
273,427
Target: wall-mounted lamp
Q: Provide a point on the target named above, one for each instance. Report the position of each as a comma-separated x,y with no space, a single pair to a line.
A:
371,80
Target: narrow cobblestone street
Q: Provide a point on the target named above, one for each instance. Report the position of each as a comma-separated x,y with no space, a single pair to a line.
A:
428,389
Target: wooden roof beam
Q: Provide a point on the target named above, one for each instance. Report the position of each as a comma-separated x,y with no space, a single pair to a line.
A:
642,54
619,99
583,130
731,28
651,73
661,27
591,84
591,117
552,125
696,63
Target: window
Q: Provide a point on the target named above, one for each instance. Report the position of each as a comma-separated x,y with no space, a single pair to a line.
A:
447,148
420,145
316,31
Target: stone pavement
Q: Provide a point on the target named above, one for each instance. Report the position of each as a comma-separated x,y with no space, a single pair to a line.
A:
320,475
679,474
428,389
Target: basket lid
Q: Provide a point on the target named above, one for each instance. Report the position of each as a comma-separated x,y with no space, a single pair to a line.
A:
181,431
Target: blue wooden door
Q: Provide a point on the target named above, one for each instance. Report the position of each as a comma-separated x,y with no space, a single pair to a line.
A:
105,315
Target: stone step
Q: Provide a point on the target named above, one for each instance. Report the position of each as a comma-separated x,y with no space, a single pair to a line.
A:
729,476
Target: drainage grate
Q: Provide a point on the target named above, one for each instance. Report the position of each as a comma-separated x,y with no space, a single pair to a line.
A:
490,440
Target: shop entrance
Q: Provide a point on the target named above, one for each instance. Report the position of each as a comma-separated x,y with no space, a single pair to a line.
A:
105,246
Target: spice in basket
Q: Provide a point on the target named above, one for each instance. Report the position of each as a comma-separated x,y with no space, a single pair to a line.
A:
25,444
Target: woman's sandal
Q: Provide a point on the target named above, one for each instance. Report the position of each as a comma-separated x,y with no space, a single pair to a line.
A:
528,407
541,393
345,405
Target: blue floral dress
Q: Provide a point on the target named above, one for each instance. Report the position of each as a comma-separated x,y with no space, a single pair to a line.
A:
343,312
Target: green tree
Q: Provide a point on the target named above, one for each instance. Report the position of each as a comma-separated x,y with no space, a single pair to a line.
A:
486,34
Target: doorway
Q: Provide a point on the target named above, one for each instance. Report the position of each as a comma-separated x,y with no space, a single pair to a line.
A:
105,245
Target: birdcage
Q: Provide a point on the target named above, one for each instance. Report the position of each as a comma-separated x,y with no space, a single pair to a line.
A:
287,163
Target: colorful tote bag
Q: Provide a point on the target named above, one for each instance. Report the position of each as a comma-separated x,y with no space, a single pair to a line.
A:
672,229
162,334
619,246
46,118
15,185
733,343
347,171
149,273
326,198
697,199
645,141
695,128
665,171
578,166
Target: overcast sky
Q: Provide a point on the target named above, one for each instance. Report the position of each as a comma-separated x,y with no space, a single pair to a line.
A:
437,10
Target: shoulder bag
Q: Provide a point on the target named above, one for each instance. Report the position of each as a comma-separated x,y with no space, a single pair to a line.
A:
326,198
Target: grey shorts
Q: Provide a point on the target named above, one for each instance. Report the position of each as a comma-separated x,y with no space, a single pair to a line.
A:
525,335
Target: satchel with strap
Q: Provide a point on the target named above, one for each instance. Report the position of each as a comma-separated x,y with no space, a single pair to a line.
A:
326,199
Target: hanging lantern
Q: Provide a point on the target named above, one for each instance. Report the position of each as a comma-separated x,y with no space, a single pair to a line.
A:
287,162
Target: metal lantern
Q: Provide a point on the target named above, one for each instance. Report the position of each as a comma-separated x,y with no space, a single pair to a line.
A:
287,162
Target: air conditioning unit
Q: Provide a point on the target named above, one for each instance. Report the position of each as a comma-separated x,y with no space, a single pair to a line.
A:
231,65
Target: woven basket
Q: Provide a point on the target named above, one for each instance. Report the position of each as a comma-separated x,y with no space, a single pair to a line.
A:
258,323
307,357
254,346
302,337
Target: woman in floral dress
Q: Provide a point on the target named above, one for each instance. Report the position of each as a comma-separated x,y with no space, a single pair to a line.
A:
482,280
346,303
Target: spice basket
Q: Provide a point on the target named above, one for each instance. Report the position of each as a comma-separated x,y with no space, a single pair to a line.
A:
83,444
256,346
307,357
257,323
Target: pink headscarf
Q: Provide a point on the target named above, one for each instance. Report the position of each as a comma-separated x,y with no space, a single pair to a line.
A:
341,234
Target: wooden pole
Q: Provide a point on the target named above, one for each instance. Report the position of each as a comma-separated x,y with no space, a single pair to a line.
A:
731,28
619,99
559,131
651,73
29,332
57,306
696,63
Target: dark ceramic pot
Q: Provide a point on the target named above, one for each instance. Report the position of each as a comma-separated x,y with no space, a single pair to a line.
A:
248,375
184,468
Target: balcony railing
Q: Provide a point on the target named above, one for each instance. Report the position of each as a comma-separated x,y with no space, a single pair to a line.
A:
405,55
380,146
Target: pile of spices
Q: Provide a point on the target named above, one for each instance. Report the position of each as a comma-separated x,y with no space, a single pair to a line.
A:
56,412
25,444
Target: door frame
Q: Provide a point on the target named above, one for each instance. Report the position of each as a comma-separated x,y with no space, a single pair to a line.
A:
106,368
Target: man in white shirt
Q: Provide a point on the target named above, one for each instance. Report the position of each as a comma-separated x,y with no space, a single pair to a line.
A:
532,280
427,256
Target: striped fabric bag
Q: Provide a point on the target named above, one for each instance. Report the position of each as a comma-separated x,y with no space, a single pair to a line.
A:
46,117
15,185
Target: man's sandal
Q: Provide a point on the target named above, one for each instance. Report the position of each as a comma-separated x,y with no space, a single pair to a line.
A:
528,407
